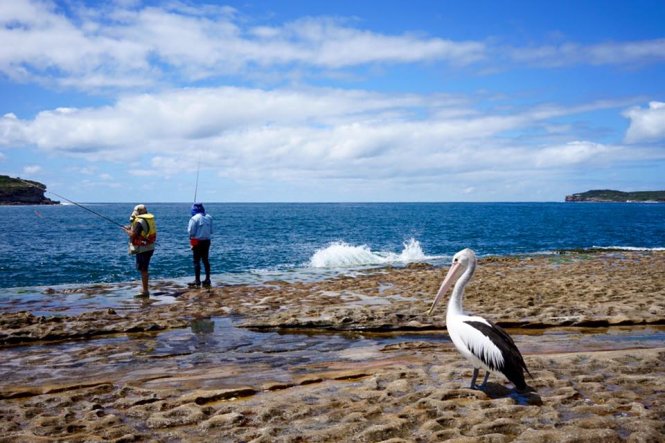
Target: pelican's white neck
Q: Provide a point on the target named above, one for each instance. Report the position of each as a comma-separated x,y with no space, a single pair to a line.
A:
455,302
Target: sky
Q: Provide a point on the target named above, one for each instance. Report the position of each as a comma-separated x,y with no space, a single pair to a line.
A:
335,101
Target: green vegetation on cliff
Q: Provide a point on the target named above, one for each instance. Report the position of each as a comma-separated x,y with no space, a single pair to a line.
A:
609,195
14,191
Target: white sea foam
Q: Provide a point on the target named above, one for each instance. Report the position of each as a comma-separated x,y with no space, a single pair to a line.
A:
628,248
341,254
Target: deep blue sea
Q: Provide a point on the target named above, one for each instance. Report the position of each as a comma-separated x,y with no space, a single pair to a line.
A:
63,245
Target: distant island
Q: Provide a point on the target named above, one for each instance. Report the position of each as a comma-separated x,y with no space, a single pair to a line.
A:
609,195
14,191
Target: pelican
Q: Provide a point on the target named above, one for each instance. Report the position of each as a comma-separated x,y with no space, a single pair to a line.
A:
479,340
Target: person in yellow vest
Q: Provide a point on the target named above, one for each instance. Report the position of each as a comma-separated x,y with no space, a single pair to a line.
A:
142,234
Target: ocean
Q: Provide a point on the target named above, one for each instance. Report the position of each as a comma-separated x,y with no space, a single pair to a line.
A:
66,245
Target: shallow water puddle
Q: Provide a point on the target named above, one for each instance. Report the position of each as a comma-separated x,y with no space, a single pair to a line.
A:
76,299
563,340
227,355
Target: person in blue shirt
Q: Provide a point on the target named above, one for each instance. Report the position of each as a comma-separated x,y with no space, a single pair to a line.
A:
200,231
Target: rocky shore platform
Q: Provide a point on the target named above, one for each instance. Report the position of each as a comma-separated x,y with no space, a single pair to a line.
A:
348,359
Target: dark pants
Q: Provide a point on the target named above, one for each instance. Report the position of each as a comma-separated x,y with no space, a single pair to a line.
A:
201,251
143,260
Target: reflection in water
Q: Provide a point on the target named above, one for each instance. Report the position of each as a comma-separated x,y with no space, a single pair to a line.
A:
561,340
75,299
202,326
240,356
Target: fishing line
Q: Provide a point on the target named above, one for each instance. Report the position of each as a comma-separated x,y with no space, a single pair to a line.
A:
74,203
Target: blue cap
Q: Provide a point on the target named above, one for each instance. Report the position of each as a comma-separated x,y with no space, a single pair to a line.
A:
197,208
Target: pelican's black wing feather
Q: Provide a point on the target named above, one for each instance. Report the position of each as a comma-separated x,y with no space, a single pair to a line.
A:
513,363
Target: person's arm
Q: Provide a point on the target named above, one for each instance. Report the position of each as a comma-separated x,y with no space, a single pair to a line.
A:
191,227
132,229
137,229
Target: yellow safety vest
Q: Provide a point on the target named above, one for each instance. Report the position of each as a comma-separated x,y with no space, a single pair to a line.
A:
148,236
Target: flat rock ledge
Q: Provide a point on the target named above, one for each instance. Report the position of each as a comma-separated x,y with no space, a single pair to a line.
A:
413,392
602,396
574,289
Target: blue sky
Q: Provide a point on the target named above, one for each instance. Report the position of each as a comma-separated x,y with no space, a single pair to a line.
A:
332,101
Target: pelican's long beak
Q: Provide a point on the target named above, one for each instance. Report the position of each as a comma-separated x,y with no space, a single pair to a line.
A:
450,279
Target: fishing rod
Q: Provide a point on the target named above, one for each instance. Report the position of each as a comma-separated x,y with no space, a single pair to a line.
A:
73,202
198,169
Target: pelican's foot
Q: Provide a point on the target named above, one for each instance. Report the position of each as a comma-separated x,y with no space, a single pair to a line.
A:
480,387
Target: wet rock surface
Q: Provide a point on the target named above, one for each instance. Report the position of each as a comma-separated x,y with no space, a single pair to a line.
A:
109,375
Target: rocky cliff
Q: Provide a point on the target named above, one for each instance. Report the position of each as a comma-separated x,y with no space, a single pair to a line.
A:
609,195
15,191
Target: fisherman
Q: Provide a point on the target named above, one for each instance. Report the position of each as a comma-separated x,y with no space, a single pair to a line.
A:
142,234
200,231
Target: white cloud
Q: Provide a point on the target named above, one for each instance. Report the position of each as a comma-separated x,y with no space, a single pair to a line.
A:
327,43
611,53
646,125
145,172
571,154
129,46
11,130
314,135
31,169
39,43
87,171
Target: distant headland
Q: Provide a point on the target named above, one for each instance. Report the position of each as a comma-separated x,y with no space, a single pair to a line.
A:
609,195
15,191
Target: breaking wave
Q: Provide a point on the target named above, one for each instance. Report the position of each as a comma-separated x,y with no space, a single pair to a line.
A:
341,254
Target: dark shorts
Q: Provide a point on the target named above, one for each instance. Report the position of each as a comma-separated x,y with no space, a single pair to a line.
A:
143,260
201,250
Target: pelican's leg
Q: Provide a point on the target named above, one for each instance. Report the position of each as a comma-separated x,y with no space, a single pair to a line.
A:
487,375
473,378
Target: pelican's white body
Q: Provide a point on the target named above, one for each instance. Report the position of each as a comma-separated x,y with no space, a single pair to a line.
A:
467,339
481,342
